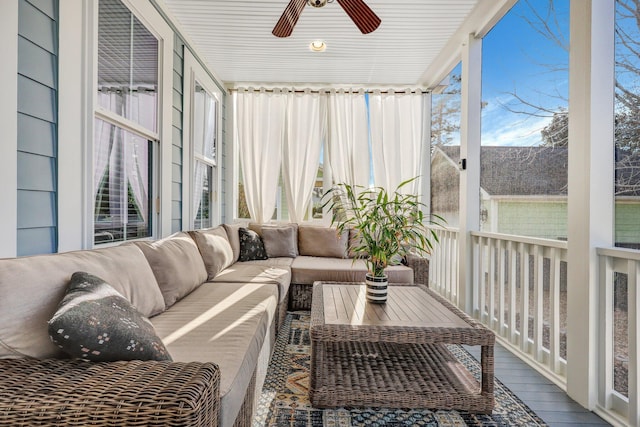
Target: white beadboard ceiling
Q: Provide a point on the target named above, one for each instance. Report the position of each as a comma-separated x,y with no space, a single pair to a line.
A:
234,38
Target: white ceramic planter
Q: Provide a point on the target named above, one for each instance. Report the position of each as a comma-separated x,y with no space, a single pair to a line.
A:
376,289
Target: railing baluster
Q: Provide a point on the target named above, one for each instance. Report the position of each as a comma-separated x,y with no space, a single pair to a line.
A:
455,282
442,285
501,283
606,331
538,327
482,289
492,282
554,311
524,297
439,263
513,289
475,296
450,267
633,276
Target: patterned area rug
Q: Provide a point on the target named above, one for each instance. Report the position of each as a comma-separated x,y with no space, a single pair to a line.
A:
284,400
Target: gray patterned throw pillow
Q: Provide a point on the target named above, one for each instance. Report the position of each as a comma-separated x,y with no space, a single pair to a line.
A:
251,245
95,322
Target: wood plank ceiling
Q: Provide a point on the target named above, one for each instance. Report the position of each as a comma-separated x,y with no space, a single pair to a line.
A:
234,38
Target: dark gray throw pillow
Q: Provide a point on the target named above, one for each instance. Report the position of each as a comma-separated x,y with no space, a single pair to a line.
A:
251,246
95,322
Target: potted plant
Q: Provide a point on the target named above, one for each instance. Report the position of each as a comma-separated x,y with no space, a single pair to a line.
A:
387,226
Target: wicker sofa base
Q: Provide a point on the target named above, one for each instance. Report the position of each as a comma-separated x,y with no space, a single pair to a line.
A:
245,416
397,376
300,296
72,392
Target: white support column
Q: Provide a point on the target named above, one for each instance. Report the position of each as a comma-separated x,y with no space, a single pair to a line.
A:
470,177
9,126
71,117
591,175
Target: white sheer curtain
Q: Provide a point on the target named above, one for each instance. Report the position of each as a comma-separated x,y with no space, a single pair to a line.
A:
305,131
114,146
137,170
396,138
348,143
259,132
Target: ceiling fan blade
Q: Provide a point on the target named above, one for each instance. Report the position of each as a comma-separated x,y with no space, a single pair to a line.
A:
289,17
361,15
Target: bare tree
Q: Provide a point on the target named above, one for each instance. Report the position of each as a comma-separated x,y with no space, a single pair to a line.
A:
445,112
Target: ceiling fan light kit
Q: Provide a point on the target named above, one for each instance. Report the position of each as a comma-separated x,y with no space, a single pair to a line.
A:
319,3
361,15
318,46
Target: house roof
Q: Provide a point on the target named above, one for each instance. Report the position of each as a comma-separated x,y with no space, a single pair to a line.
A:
532,171
519,170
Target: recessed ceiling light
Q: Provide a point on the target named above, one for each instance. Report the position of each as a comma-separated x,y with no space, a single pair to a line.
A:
318,46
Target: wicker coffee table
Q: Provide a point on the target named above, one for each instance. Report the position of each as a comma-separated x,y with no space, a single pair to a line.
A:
394,354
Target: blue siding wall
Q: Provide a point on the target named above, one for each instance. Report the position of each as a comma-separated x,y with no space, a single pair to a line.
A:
176,139
37,126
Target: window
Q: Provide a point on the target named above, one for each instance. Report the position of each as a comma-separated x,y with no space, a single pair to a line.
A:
524,157
204,139
126,125
445,147
627,125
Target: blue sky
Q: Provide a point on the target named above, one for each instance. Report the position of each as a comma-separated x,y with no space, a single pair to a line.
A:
518,59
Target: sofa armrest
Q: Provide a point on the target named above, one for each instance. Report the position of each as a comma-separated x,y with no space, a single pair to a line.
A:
420,267
65,392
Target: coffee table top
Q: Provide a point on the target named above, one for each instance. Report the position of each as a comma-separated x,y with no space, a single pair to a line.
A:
412,314
405,306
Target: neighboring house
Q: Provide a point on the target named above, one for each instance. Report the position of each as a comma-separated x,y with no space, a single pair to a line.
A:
523,191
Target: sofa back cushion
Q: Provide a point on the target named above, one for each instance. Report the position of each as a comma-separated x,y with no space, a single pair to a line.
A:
215,249
322,241
176,264
233,234
291,247
32,287
280,242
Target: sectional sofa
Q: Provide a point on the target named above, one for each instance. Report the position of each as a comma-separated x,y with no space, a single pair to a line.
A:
215,299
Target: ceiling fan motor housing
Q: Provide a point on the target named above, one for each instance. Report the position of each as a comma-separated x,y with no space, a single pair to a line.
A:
317,3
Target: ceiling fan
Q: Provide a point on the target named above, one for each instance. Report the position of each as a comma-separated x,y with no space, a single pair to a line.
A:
358,11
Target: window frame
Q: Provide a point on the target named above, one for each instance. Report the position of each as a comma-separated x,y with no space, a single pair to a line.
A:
160,179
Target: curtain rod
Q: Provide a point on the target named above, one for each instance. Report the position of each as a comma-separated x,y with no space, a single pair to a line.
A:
284,90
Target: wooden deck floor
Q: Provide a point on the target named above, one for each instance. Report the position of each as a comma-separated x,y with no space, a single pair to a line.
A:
545,398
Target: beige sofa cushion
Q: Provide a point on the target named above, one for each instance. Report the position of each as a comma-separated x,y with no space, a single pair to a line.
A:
244,272
215,249
176,264
32,287
259,227
280,242
306,270
322,241
233,234
280,262
224,323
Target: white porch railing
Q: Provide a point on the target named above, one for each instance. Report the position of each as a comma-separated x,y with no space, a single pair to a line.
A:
443,265
619,334
519,291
